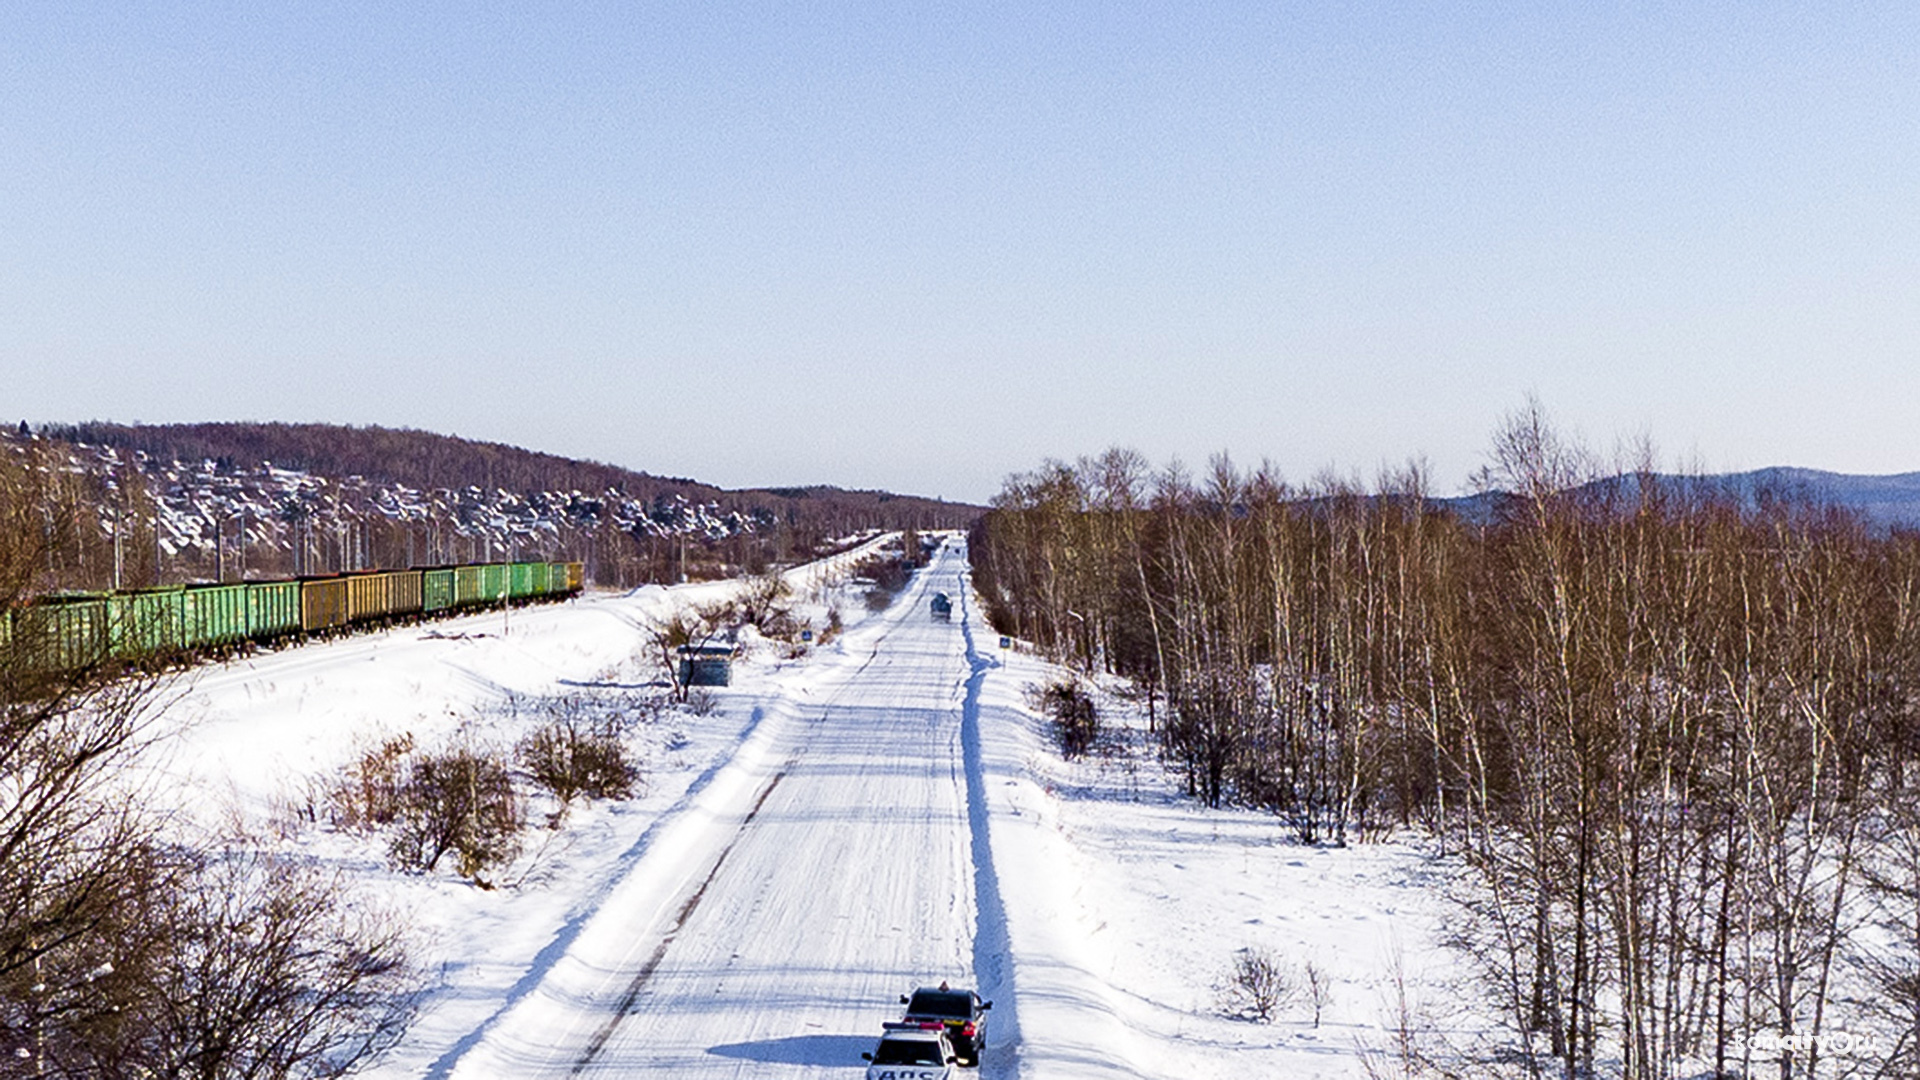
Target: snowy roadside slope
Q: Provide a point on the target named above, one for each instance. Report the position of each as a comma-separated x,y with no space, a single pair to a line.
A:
1126,903
253,734
1058,1015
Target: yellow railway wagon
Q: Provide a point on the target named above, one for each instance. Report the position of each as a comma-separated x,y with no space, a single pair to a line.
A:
323,603
408,589
369,596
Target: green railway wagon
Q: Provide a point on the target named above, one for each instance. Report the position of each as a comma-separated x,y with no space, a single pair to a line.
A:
493,583
525,580
148,623
273,609
469,586
215,615
436,588
61,633
323,603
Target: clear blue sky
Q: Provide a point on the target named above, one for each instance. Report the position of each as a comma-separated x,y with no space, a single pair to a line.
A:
920,246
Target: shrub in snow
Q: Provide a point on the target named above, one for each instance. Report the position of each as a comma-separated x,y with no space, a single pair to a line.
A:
370,792
760,605
1076,722
1258,985
887,572
461,802
574,754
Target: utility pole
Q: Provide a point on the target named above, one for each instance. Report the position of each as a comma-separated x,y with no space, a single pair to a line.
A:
119,529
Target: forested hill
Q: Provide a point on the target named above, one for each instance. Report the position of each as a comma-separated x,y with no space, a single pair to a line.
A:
163,504
429,461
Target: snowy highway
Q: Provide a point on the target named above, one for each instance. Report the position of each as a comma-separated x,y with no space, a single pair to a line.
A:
772,924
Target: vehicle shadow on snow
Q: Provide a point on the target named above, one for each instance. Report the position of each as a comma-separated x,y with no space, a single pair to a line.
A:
824,1050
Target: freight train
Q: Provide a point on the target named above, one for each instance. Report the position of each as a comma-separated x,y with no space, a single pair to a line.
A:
160,625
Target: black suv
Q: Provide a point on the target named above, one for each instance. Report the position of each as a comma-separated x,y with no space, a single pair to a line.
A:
961,1012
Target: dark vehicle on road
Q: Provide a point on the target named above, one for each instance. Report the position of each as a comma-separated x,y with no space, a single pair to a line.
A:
942,607
960,1012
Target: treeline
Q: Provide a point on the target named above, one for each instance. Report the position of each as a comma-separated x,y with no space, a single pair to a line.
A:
1673,737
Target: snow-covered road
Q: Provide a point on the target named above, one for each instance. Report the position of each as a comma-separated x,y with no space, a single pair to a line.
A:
777,915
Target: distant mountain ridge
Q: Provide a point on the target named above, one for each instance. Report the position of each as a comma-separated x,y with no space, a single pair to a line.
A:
1890,499
1884,501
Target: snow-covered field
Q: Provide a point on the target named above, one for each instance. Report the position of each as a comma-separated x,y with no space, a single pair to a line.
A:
883,812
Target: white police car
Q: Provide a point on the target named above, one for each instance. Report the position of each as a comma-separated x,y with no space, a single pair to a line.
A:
911,1052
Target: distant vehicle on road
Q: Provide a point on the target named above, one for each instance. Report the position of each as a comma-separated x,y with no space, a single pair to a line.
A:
960,1013
911,1052
942,607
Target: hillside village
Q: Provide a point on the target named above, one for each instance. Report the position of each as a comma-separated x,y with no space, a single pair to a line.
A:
131,518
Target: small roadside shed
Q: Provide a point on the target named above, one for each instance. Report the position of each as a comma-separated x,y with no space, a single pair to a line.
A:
706,665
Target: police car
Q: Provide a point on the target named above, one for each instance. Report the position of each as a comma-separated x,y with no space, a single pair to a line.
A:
911,1052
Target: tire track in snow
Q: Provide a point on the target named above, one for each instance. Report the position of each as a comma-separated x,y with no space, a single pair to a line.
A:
687,909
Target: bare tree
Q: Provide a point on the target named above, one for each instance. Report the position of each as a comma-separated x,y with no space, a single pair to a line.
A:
687,628
122,955
1259,985
268,972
